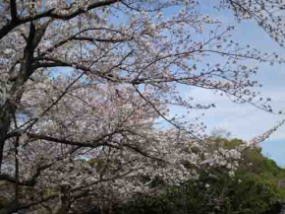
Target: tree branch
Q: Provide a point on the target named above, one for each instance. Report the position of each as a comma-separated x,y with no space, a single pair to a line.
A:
13,9
48,14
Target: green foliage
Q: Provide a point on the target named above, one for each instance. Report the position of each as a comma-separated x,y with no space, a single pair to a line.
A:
254,189
214,192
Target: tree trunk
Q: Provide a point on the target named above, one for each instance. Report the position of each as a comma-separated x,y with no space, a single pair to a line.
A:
5,120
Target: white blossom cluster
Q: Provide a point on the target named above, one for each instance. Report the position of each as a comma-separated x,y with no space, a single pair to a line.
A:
257,140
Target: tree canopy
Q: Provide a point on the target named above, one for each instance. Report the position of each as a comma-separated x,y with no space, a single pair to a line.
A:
83,84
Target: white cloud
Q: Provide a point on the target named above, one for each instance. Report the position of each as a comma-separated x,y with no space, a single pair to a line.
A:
242,120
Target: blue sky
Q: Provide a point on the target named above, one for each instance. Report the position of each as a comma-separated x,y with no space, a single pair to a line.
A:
273,80
245,121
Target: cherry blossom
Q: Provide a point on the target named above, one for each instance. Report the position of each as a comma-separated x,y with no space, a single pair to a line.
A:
83,85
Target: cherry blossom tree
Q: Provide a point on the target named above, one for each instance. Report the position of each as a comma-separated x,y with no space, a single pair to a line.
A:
83,84
267,14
